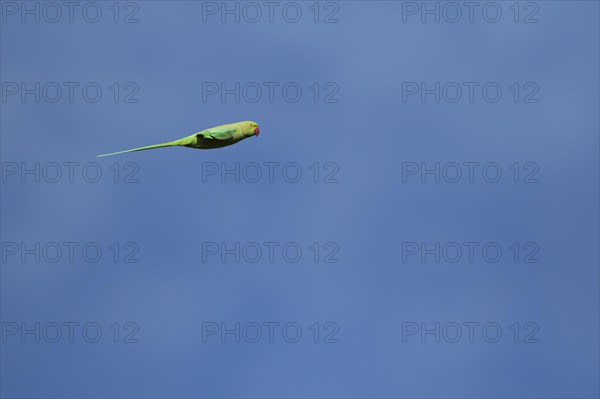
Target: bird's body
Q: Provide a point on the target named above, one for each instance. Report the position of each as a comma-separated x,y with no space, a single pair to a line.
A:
215,137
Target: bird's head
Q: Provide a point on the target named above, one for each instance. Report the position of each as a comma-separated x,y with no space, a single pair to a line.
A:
250,129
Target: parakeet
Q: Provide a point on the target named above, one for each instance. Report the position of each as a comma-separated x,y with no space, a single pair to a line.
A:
215,137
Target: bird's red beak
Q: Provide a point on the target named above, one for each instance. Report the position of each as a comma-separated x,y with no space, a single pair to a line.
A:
256,131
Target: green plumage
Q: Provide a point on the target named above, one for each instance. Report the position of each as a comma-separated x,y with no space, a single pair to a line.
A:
215,137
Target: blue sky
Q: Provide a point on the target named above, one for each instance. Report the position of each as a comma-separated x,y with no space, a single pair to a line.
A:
355,135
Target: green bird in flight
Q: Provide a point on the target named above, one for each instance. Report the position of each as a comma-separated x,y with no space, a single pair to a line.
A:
215,137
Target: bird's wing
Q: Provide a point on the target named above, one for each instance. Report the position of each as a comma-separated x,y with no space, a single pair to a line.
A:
218,133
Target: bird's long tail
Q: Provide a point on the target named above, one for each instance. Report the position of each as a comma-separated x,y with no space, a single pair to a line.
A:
149,147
